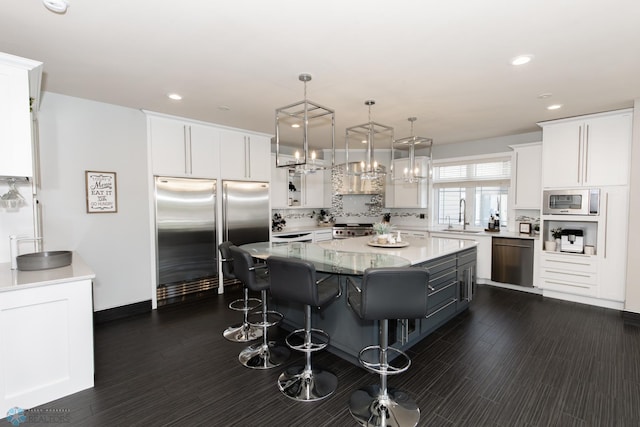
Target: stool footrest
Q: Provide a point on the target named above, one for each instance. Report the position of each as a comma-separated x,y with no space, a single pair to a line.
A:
242,305
296,340
369,357
257,319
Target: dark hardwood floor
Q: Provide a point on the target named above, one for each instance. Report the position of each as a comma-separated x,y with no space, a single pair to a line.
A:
513,359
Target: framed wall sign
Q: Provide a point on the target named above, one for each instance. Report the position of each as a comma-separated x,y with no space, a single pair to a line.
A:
525,228
101,192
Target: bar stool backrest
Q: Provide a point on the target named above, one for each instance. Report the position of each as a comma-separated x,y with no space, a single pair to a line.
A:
293,280
227,261
244,271
394,293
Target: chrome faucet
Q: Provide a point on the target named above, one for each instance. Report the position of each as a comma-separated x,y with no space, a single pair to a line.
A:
462,213
13,247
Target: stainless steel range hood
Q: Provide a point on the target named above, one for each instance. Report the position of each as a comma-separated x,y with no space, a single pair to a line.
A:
347,180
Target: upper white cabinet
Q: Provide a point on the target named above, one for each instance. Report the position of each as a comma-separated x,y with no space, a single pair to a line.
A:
245,156
289,190
590,150
526,175
181,148
19,94
410,194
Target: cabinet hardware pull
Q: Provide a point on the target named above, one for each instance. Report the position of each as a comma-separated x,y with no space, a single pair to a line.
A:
586,156
586,264
606,222
434,291
579,150
185,140
568,272
453,301
567,284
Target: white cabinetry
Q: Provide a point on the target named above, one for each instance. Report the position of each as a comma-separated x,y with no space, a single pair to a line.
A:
19,92
289,190
57,320
569,273
526,173
612,242
587,151
245,156
322,235
184,149
410,195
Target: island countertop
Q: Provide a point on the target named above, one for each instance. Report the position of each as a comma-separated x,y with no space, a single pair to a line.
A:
418,251
11,280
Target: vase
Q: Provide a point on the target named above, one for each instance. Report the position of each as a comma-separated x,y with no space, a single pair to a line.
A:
550,245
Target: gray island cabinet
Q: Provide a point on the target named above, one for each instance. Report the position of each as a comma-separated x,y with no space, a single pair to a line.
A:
451,264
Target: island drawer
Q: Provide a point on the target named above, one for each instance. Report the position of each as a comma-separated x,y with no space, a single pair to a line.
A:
438,265
438,280
445,293
467,256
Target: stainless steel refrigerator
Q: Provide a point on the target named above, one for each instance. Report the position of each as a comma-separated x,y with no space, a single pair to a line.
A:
185,237
245,212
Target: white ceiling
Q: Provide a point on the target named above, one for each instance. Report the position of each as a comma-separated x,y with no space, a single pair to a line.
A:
446,62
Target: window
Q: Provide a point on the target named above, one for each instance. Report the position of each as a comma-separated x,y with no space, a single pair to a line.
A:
483,183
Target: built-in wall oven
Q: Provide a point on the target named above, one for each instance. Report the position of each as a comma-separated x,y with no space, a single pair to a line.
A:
581,201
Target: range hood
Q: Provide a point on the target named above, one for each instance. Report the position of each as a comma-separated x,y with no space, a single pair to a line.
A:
347,180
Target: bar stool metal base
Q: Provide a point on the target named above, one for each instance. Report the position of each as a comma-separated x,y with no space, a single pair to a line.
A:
307,386
370,409
261,356
242,332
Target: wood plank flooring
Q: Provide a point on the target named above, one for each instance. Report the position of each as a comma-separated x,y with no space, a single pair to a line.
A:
513,359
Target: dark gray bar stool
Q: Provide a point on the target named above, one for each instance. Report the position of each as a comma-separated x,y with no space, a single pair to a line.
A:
266,354
386,293
242,332
294,280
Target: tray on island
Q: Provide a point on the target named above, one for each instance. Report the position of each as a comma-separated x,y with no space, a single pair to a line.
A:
389,245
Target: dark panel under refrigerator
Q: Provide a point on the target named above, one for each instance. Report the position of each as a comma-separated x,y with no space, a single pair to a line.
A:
185,237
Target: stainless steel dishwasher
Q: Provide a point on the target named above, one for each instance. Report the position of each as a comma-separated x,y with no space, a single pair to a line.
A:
512,261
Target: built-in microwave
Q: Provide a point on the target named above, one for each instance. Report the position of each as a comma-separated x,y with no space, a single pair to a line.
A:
582,201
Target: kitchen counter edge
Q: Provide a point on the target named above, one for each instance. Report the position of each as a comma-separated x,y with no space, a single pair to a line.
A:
12,280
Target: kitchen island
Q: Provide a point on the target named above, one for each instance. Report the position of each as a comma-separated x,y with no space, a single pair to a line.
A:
46,330
451,263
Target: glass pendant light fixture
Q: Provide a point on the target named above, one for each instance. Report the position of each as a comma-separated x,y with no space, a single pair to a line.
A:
407,166
372,134
298,126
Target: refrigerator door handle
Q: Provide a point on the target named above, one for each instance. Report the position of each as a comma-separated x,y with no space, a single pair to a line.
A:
225,204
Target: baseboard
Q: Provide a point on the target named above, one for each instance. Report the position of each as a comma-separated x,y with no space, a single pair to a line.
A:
116,313
631,318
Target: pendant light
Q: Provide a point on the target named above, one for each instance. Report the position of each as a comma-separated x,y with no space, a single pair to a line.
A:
414,169
372,134
298,126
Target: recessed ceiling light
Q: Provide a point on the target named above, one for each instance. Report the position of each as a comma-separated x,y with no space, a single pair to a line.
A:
174,96
224,108
295,125
57,6
521,60
545,95
554,107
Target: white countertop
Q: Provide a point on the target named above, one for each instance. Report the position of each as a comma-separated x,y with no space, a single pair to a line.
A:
419,249
11,280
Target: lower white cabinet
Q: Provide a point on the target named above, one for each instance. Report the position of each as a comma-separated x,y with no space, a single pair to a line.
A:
413,233
322,235
612,241
569,273
47,343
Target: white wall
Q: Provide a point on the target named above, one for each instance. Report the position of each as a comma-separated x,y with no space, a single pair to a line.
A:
78,135
484,146
632,302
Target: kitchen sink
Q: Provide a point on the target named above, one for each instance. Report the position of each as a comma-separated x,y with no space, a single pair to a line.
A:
457,230
43,260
